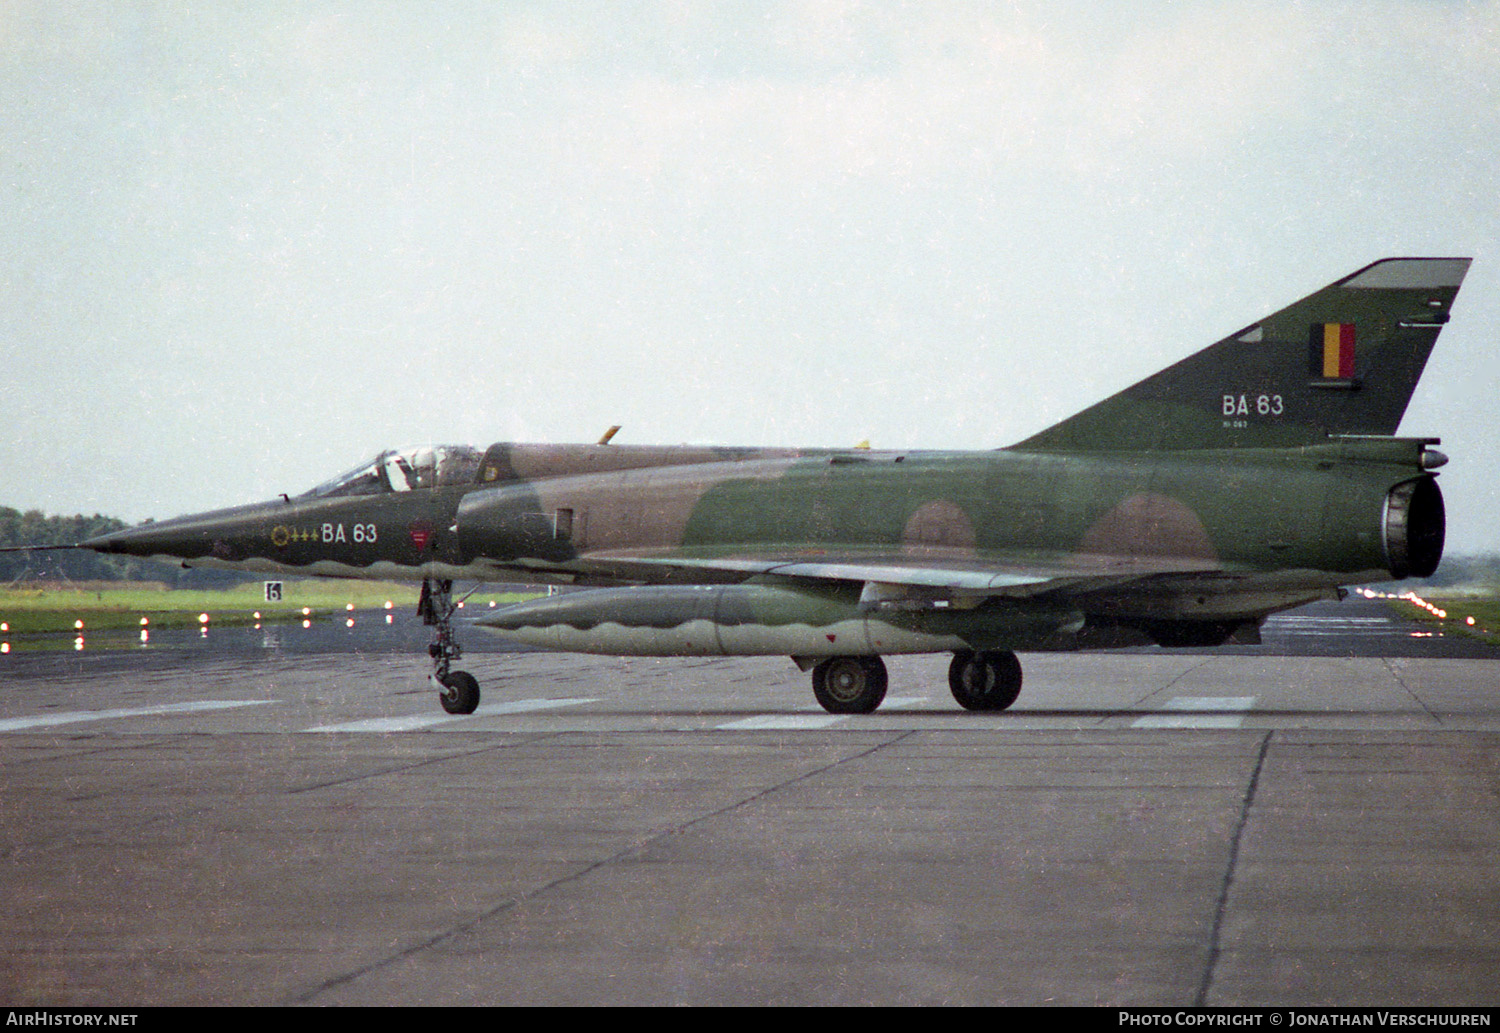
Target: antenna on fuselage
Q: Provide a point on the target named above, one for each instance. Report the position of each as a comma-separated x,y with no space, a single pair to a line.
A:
609,434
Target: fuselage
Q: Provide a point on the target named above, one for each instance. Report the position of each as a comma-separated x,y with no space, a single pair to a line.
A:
611,515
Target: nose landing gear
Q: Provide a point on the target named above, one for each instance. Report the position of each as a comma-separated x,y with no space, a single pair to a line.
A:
458,691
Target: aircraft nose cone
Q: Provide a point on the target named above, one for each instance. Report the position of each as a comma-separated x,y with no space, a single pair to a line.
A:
183,538
219,534
102,542
133,541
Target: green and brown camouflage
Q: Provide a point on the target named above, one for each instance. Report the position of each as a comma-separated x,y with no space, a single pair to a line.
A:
1256,475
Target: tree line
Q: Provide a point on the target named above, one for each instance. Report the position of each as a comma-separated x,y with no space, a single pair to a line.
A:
33,527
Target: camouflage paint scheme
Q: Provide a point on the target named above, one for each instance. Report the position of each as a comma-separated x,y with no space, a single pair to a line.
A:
1255,475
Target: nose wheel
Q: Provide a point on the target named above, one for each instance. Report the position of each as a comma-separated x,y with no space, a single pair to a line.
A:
458,691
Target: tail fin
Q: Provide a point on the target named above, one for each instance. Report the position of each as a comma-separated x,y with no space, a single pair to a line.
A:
1342,361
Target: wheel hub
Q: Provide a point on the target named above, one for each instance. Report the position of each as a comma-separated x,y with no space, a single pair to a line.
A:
978,678
846,682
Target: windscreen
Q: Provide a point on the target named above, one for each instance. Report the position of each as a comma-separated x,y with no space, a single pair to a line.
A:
406,469
365,479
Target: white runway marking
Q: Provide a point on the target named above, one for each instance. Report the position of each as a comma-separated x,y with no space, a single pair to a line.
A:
1330,627
16,724
523,706
1199,720
414,722
781,721
817,719
410,723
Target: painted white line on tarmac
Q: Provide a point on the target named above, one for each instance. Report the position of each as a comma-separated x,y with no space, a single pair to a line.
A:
1331,627
415,722
524,706
1328,620
782,721
17,724
1216,718
818,719
410,723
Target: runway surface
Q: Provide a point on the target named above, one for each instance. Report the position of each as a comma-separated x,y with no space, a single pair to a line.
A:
205,824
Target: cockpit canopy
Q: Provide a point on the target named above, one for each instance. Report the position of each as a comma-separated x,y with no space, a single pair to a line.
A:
403,469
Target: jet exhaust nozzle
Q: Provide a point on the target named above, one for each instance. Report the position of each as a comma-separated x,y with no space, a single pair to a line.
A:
1415,528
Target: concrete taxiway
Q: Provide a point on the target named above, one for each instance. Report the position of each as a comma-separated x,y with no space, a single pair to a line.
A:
1141,829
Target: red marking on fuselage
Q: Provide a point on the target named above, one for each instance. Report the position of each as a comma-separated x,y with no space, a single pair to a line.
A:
421,534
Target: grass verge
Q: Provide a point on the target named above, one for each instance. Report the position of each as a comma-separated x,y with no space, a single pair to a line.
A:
1477,616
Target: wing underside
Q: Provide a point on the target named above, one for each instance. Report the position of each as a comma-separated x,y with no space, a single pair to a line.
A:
1150,586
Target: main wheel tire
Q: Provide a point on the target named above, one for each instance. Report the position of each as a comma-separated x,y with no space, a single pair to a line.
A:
850,684
985,681
460,693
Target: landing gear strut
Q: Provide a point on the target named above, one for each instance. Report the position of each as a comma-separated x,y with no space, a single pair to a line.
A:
458,691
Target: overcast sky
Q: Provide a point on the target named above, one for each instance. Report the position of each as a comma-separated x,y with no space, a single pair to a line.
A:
245,246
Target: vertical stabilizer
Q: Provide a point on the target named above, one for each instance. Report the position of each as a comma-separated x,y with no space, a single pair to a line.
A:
1342,361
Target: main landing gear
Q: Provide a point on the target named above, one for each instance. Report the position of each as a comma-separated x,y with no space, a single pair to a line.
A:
458,691
849,684
985,681
857,684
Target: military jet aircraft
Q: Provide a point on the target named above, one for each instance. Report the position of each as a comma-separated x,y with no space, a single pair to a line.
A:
1255,475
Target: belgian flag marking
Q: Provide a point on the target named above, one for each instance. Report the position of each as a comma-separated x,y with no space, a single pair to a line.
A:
1331,350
